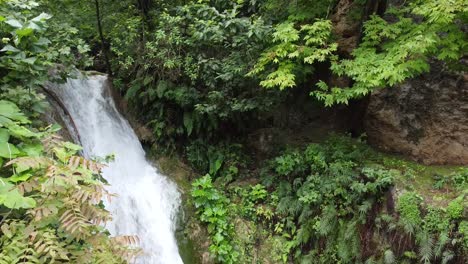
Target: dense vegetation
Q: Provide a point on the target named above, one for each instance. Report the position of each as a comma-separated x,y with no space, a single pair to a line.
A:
204,76
329,203
50,198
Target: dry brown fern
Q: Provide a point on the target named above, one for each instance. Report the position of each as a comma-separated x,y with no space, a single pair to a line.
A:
76,161
30,162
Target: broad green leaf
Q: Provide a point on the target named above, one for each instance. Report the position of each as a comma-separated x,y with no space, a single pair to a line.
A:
41,17
33,150
11,198
20,177
24,32
72,146
42,42
54,128
21,131
30,60
216,165
188,122
9,48
4,135
8,150
161,88
11,111
147,80
132,91
33,26
5,121
14,23
61,154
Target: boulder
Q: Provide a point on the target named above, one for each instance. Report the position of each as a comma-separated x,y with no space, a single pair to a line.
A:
425,118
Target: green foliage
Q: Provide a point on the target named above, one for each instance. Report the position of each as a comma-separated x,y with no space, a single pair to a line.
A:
325,193
194,72
460,179
323,200
433,229
31,47
221,161
408,207
295,11
50,199
255,203
293,52
456,208
213,210
392,52
187,74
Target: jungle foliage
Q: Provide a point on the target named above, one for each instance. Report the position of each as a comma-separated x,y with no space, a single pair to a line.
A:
330,203
51,207
203,75
209,69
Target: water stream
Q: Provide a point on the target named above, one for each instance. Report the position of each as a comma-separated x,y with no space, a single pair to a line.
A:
147,201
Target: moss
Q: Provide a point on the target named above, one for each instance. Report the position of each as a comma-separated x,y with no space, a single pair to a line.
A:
245,239
177,171
272,250
423,179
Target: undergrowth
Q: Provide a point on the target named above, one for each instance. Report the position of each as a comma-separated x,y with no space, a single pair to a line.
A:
334,202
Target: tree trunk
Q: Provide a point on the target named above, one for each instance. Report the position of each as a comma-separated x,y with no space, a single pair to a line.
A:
104,47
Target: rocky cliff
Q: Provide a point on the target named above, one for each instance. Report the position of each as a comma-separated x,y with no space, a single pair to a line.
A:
425,118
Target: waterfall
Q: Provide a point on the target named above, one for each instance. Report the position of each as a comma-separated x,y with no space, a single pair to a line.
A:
147,202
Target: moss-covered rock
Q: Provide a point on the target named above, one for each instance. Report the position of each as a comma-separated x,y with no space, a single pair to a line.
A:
192,236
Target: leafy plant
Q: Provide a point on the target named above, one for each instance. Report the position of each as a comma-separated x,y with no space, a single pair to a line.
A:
328,194
212,208
408,207
31,47
50,200
293,52
399,49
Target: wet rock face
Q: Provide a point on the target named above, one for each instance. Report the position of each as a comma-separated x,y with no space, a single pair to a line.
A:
346,28
425,118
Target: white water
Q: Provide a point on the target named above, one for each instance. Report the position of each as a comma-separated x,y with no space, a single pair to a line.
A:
147,201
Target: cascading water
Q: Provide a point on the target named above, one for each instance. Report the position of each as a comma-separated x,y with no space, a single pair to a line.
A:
147,201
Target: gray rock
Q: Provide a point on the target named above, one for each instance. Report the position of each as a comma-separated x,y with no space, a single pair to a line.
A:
425,118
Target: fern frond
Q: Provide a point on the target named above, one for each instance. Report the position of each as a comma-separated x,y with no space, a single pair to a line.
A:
426,245
30,162
28,186
76,161
126,240
41,212
90,194
75,223
447,256
51,141
94,214
126,247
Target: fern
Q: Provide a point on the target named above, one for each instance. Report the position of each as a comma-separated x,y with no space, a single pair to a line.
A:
389,257
447,257
426,244
62,195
